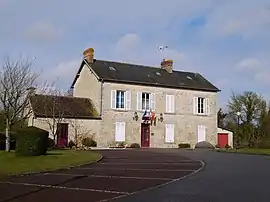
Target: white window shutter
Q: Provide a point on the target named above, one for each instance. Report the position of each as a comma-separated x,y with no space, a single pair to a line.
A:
172,132
167,131
167,103
195,105
113,99
172,104
128,100
169,136
123,131
153,101
207,106
117,131
120,131
139,101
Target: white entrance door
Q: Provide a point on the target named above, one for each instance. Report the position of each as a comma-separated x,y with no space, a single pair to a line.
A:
201,133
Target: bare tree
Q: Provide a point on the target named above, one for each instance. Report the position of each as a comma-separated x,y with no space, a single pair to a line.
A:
16,77
221,118
51,104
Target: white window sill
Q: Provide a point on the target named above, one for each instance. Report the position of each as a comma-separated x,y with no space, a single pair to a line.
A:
201,114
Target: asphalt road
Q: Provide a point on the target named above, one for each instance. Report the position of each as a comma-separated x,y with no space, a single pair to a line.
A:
119,174
160,175
225,177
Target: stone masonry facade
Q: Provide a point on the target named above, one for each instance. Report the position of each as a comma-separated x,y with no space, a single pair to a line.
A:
185,121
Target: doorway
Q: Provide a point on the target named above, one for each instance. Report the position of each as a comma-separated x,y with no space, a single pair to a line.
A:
145,135
62,134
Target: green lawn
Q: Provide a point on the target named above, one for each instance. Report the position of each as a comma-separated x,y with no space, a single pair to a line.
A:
55,159
249,151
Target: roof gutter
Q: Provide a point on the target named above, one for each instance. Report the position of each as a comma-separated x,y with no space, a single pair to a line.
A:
159,85
101,96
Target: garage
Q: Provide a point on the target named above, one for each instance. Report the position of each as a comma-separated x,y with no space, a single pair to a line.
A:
224,137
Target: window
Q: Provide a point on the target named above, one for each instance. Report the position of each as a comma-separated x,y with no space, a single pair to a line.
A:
145,101
170,103
169,134
120,131
201,106
120,99
201,133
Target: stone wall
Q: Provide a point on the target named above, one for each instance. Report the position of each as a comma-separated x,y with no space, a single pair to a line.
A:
186,122
84,128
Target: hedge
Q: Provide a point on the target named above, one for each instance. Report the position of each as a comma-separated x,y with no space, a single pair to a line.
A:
89,142
32,141
183,145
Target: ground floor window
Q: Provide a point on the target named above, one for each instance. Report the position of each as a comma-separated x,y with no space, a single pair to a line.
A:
120,131
169,133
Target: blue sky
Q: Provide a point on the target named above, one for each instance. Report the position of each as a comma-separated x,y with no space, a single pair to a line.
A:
226,41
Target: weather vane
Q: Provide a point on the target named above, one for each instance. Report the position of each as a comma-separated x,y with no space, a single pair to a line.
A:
162,49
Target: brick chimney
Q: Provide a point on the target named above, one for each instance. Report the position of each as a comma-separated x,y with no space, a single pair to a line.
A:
167,64
88,55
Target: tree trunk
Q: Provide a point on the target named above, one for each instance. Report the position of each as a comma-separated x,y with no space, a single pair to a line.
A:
7,136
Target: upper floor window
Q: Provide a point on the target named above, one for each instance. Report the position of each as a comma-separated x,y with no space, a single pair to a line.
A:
145,101
170,104
201,106
120,99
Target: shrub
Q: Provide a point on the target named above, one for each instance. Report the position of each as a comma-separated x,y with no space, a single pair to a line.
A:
217,146
227,146
121,144
32,141
184,145
204,145
264,145
135,145
71,144
89,142
51,143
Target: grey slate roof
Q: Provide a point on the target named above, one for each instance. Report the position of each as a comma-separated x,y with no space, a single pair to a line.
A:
49,106
145,75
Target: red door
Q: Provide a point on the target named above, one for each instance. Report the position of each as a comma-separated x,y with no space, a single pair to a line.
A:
145,135
62,134
223,139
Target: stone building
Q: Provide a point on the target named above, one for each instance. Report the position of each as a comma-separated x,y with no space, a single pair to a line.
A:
152,106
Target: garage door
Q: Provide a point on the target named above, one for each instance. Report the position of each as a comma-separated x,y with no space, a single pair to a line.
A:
223,139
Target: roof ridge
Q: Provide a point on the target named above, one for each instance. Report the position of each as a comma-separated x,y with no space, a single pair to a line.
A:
141,65
65,96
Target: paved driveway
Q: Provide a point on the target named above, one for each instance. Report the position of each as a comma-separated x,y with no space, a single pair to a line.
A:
225,177
119,174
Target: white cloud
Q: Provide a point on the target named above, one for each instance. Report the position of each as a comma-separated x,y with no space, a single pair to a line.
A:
258,69
64,73
244,18
132,48
43,31
249,64
128,44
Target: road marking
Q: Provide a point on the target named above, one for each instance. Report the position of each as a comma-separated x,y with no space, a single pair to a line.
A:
158,186
143,163
110,176
137,169
62,187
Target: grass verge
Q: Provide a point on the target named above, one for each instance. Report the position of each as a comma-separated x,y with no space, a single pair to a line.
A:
248,151
55,159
